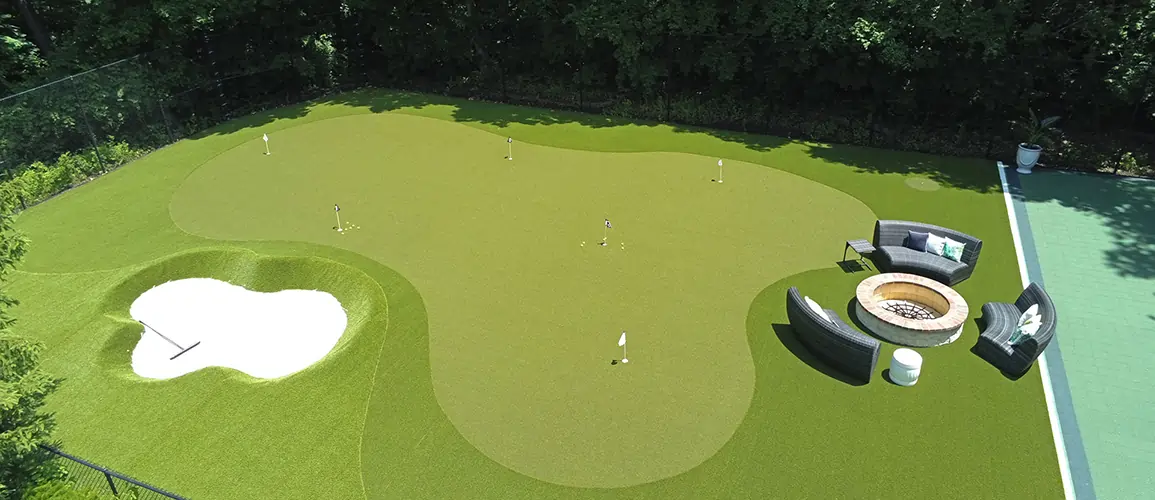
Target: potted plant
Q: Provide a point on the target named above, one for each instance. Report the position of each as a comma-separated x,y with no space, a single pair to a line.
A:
1038,134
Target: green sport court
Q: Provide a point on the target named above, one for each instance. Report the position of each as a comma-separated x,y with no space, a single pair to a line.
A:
483,315
1091,240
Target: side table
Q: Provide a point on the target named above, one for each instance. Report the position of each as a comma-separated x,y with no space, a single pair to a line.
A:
905,367
861,247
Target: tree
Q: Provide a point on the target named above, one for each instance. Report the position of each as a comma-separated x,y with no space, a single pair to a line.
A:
24,426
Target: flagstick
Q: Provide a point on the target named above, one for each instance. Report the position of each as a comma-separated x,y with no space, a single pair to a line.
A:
510,141
338,212
719,171
624,359
267,148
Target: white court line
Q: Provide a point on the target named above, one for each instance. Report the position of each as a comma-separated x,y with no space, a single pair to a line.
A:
1048,391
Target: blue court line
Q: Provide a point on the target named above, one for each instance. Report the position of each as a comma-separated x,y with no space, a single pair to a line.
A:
1064,405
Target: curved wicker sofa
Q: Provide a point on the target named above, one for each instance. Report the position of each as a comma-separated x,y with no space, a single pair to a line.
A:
892,257
1000,320
836,343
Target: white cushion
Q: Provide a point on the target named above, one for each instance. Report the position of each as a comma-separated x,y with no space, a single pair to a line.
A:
953,250
1027,326
817,309
935,244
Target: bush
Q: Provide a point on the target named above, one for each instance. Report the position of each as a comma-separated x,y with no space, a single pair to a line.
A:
39,181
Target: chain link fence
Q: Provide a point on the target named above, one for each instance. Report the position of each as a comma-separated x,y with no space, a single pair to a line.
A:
89,477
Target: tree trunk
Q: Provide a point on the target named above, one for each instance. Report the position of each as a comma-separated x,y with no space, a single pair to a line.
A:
35,27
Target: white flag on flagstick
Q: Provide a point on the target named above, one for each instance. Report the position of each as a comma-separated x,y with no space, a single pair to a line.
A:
622,341
266,137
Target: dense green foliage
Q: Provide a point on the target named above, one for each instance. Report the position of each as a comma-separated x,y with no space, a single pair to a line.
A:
945,77
64,490
23,387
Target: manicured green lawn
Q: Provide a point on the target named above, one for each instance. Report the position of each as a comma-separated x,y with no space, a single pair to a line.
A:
484,316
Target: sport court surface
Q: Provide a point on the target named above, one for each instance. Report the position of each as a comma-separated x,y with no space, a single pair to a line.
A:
1094,238
476,363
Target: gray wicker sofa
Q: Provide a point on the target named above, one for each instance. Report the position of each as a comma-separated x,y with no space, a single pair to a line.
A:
1000,320
836,343
890,254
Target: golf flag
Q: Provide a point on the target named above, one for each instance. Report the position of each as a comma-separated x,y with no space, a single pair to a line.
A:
622,341
266,137
509,140
336,208
608,224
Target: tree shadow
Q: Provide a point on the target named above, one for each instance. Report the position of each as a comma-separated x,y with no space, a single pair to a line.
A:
1126,205
789,340
754,142
468,110
962,173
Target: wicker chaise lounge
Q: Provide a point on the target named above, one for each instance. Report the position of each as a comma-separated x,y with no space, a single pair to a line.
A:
834,342
1000,320
892,256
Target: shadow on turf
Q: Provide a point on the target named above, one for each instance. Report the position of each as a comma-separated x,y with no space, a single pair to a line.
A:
786,335
852,315
471,111
1126,205
963,173
956,172
851,266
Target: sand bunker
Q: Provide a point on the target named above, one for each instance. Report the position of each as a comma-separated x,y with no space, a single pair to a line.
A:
266,335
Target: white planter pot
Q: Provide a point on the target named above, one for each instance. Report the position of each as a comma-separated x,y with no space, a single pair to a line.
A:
1027,157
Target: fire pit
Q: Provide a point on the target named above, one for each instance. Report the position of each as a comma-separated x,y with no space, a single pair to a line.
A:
910,310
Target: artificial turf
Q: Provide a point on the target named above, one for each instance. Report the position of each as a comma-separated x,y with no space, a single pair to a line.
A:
493,379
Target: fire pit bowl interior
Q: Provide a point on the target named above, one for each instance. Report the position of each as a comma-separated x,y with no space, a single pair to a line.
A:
910,310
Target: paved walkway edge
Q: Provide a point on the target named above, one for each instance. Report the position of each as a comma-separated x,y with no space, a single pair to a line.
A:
1073,465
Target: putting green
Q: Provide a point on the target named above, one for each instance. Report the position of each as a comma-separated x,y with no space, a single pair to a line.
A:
525,308
489,288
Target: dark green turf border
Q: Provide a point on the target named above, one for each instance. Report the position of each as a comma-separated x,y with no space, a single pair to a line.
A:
1064,404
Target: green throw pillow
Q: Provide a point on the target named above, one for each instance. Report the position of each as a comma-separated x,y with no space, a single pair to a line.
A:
953,250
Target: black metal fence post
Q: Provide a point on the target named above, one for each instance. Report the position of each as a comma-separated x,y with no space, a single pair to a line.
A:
111,485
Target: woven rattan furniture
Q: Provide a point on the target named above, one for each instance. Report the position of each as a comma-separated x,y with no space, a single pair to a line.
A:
834,342
910,310
999,322
892,257
862,247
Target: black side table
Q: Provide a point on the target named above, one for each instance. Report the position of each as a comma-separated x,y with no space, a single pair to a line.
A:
862,247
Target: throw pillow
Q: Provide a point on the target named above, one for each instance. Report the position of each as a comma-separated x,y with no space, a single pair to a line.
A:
817,309
1028,325
916,240
935,244
953,250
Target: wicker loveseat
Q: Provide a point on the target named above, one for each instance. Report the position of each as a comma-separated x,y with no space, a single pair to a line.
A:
1000,319
891,256
834,342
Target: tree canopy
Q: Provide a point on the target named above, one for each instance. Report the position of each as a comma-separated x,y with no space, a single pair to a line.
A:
914,74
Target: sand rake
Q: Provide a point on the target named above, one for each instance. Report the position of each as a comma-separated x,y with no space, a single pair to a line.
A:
182,349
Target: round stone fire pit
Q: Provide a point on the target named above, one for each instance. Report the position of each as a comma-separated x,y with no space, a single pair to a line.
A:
910,310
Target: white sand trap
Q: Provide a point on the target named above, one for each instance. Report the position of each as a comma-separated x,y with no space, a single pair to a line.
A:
266,335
